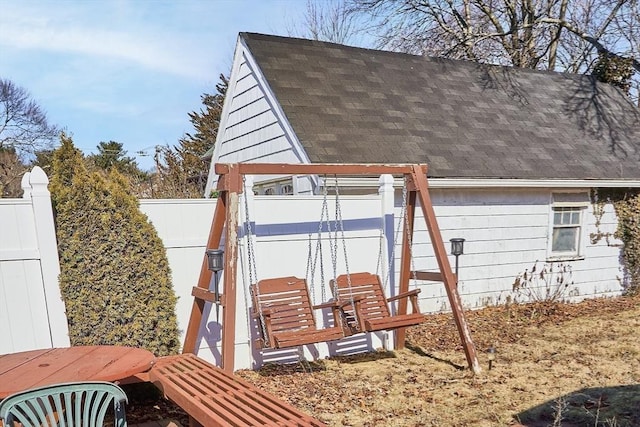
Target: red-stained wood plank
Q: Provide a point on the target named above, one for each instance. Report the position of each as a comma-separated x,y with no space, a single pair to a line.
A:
215,398
13,360
315,169
22,371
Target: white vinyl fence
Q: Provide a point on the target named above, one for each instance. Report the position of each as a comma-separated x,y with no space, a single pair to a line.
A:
32,313
506,232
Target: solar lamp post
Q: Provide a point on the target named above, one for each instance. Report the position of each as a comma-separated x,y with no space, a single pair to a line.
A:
215,263
457,249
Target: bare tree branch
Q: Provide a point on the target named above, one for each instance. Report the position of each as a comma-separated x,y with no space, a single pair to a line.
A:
23,124
561,35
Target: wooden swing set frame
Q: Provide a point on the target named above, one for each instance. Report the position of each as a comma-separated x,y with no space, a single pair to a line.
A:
225,220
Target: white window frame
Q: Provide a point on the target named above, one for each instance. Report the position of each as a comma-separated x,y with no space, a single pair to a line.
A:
276,187
574,202
286,189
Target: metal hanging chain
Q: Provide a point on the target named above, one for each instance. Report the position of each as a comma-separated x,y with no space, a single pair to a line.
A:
312,260
381,240
340,225
250,249
410,242
312,263
247,297
333,244
309,267
253,273
403,214
325,215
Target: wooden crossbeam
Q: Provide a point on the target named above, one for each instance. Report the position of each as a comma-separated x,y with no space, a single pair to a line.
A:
316,169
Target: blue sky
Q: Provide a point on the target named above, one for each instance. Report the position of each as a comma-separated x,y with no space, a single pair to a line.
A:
128,70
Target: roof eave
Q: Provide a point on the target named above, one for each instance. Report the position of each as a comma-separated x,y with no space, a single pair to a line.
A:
502,183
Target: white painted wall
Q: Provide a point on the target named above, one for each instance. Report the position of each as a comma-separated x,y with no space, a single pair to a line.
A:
32,313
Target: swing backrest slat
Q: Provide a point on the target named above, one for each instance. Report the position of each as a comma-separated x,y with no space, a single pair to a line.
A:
367,288
287,300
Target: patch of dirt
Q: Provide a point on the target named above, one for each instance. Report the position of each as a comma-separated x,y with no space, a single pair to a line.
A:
146,405
556,364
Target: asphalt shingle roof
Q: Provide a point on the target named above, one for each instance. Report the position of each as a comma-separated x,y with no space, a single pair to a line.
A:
353,105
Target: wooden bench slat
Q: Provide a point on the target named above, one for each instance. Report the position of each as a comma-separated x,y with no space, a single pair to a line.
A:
233,409
216,398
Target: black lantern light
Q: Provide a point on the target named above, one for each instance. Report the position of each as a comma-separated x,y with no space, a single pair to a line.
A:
215,262
457,249
457,246
215,259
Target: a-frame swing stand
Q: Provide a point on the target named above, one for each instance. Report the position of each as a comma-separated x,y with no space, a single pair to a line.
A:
225,220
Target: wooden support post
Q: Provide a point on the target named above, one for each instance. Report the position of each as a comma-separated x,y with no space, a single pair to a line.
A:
420,181
405,263
213,242
226,214
234,185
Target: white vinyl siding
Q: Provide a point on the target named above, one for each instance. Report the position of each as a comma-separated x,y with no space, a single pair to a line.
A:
251,129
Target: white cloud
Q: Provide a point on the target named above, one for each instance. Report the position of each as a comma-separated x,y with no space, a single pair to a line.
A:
110,36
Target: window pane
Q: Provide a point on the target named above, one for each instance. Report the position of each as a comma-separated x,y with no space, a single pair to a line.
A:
575,217
565,239
557,218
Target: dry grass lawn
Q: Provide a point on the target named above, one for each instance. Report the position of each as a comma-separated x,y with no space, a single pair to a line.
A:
558,365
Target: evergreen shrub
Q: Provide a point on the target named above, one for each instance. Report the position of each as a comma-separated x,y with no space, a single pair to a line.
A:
115,276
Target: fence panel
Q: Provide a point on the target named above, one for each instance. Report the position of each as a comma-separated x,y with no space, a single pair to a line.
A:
32,313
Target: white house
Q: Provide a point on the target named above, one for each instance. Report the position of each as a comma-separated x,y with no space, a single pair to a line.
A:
515,155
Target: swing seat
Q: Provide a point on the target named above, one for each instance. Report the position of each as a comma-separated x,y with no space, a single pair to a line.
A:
284,305
365,307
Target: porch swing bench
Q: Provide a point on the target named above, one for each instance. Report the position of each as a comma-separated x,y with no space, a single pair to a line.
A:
369,311
285,315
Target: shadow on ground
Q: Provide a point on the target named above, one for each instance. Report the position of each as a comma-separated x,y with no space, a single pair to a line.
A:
599,406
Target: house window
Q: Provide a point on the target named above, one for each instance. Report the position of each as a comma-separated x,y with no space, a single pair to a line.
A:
567,225
286,189
566,230
275,187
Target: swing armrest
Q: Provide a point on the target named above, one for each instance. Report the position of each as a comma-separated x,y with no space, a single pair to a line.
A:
329,304
337,304
266,340
404,295
413,297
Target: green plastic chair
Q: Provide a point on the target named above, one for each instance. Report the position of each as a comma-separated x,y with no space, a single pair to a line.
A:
79,404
